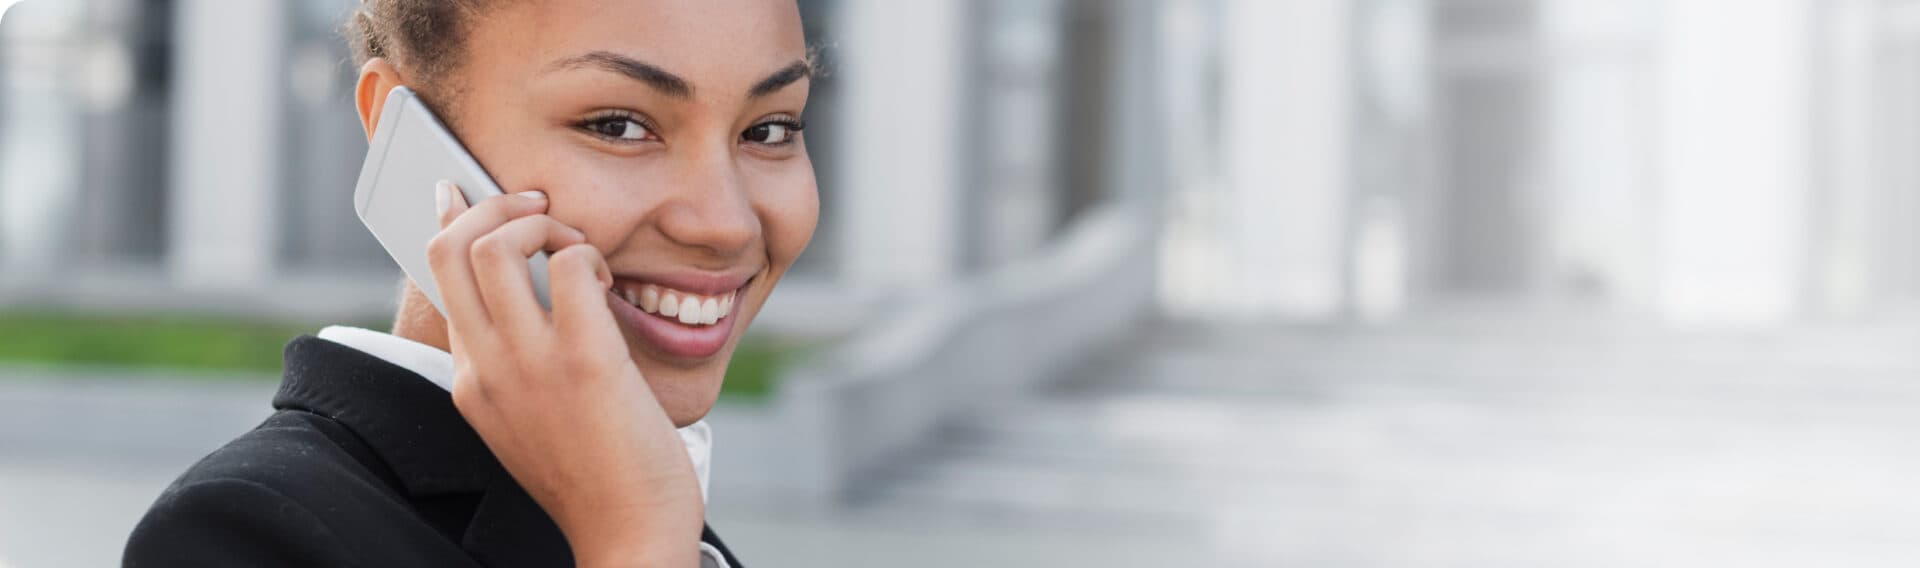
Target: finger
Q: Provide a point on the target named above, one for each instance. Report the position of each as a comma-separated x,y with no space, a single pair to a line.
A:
446,257
448,253
500,266
482,218
579,279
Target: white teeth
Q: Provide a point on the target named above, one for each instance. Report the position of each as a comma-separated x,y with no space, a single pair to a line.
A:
689,311
687,308
649,299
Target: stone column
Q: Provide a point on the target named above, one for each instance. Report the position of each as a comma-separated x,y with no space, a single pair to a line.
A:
901,143
1286,126
228,89
1735,175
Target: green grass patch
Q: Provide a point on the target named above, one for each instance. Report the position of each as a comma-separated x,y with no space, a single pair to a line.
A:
236,346
178,342
758,362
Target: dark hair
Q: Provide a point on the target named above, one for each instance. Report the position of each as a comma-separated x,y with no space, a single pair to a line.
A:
424,38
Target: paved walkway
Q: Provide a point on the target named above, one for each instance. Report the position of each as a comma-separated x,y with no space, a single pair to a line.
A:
1426,444
83,454
1461,444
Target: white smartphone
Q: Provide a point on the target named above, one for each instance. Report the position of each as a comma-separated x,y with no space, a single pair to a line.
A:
411,152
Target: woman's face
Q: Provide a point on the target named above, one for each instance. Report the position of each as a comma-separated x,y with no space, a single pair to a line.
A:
667,131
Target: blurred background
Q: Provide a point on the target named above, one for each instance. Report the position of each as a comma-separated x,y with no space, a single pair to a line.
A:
1154,283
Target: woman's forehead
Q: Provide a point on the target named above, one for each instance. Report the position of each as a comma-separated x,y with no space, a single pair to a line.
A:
725,45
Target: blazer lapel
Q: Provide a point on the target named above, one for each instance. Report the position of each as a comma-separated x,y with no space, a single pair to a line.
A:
412,426
407,420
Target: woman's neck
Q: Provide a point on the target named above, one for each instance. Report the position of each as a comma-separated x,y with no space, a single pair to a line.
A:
417,319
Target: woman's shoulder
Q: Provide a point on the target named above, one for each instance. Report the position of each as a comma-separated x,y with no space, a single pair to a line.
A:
292,491
295,453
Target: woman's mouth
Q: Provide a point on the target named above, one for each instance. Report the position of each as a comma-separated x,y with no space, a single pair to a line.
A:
687,324
687,307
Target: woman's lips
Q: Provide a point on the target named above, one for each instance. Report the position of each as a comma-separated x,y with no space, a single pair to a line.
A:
678,335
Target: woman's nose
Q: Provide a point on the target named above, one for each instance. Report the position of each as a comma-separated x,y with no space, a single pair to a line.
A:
711,210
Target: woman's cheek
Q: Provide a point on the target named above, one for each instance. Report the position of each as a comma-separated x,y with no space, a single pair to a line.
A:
791,217
600,202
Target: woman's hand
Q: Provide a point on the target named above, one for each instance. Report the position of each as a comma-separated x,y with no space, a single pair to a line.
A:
555,395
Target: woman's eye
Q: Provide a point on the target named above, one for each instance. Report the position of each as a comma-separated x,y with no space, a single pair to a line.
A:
619,129
772,133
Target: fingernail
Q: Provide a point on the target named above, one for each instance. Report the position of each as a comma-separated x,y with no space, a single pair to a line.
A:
441,195
533,194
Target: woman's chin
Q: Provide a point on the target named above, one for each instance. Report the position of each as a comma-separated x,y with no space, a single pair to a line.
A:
686,384
685,411
687,394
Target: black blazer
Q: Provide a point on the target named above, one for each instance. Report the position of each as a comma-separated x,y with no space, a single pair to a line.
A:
364,464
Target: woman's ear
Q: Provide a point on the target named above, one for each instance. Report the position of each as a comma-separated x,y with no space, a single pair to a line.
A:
377,78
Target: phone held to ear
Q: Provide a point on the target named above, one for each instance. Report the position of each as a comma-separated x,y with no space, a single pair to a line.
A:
411,152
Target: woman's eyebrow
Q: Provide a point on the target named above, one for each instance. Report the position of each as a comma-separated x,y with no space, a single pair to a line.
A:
785,76
670,84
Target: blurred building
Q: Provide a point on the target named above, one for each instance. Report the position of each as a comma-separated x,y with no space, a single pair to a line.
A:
205,149
1695,161
1312,159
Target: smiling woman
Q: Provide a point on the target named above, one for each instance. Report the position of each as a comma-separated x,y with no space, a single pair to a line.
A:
655,151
